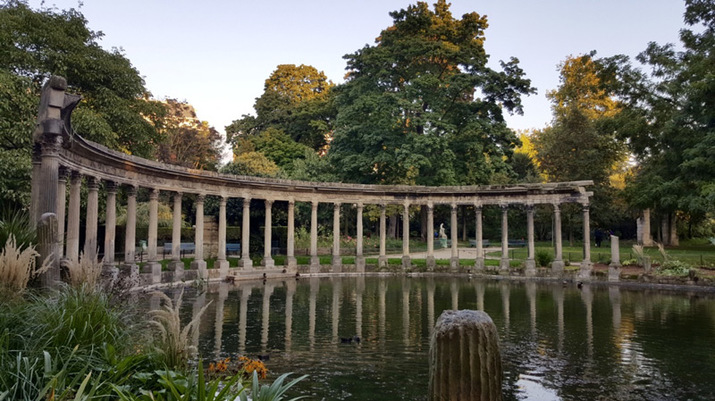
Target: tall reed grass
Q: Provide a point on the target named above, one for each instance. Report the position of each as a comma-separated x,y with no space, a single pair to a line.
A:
86,271
18,266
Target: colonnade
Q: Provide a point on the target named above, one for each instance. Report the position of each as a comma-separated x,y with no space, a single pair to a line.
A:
60,155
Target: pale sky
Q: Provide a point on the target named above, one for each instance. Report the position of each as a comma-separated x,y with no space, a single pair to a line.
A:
216,55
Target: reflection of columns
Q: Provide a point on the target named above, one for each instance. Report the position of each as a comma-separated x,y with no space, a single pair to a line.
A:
479,261
430,240
530,264
265,315
337,259
110,223
359,258
221,263
586,265
406,311
360,288
454,291
505,305
218,322
430,304
197,311
291,261
337,292
587,298
454,260
558,294
199,263
614,295
267,236
557,266
314,287
382,259
242,318
246,262
406,261
382,295
479,287
290,291
130,241
73,217
314,260
176,264
531,295
504,262
61,202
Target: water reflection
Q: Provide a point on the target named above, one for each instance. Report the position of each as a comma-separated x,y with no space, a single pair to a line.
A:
558,341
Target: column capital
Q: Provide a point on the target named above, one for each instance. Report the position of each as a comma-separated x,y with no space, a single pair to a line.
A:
529,207
75,176
314,204
383,206
557,207
291,202
430,205
246,201
336,205
269,202
359,205
504,207
454,206
130,189
154,194
178,193
92,183
585,207
63,173
477,205
223,200
110,187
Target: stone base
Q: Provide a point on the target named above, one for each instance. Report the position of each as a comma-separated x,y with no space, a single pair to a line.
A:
291,264
431,263
222,266
584,272
503,264
479,263
454,264
314,264
530,268
382,261
200,267
406,262
176,265
268,262
557,267
337,264
155,269
130,271
245,263
360,264
614,272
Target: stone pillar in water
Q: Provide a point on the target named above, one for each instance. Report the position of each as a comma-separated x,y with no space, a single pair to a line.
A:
465,362
614,268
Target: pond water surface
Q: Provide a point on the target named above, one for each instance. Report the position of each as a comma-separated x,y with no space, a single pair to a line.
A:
558,341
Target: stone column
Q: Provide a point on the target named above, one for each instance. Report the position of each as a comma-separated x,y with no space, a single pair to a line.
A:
35,182
72,251
176,265
647,237
530,264
406,261
337,259
557,266
314,259
45,208
199,263
221,262
465,361
291,261
90,239
614,268
268,261
382,259
431,264
359,258
246,262
153,264
130,241
479,261
454,260
110,223
586,265
504,261
61,205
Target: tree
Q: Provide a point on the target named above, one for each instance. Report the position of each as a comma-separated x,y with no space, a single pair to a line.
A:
253,164
670,124
422,107
189,142
295,100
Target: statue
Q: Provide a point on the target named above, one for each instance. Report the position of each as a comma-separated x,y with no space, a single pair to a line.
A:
442,236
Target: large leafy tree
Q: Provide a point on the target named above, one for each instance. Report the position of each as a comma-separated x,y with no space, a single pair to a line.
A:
670,122
421,106
115,111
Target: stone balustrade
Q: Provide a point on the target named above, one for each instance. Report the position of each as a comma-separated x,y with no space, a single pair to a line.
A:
62,153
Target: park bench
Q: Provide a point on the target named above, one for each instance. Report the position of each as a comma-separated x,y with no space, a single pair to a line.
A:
473,242
233,248
184,248
517,242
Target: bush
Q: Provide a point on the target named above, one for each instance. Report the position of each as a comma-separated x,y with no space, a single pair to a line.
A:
674,267
544,258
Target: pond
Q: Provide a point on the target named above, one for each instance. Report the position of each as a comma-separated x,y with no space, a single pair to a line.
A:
558,341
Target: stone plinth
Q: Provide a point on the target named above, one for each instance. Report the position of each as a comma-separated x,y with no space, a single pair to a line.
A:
614,268
465,361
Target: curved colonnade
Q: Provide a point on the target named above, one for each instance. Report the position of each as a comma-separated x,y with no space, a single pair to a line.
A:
61,155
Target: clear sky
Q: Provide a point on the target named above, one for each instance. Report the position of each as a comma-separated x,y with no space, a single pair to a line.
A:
216,54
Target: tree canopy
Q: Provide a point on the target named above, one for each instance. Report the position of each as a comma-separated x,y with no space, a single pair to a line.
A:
421,106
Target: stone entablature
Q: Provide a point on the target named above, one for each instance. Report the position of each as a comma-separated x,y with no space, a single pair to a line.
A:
59,154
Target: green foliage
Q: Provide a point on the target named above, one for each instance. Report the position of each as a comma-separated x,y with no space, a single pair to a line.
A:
277,146
164,213
674,267
252,164
543,258
273,392
421,96
16,223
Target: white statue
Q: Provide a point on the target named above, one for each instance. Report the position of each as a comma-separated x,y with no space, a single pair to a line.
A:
442,234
